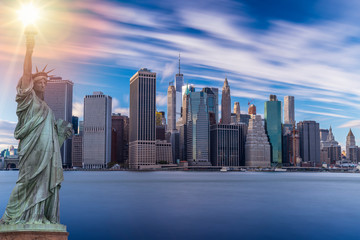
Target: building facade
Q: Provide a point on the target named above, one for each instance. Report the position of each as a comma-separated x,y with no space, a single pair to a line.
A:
227,144
226,104
352,151
119,138
289,110
309,135
142,136
171,108
59,97
212,102
272,114
198,130
97,130
77,151
257,146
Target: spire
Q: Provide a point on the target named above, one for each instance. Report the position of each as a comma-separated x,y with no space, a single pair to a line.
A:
179,63
350,134
226,84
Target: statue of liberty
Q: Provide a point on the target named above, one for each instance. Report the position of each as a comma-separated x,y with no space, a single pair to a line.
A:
35,198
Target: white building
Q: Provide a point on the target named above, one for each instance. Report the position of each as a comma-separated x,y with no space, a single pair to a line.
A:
97,130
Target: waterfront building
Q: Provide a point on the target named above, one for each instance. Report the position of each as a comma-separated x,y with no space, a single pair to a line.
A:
171,108
59,97
289,110
290,146
179,83
332,148
198,130
77,151
352,151
272,114
142,136
252,109
97,130
226,104
257,146
75,123
324,134
227,144
163,152
120,138
309,135
212,102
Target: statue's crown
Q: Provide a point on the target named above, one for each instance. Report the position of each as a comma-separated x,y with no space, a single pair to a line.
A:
42,73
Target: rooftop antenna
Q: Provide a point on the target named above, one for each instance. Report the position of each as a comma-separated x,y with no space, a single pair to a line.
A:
179,63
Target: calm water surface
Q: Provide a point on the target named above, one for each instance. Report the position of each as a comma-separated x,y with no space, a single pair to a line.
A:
206,205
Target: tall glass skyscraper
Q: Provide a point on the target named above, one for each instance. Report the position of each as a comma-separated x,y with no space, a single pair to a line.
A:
179,83
59,97
272,114
198,130
212,101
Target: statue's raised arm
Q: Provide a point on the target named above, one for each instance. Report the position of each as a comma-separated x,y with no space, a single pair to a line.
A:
30,42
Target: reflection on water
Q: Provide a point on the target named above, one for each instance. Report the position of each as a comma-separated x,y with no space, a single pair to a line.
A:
206,205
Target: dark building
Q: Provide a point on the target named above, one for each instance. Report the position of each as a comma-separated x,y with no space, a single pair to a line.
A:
160,132
75,123
77,151
212,102
119,138
309,135
244,118
227,144
59,97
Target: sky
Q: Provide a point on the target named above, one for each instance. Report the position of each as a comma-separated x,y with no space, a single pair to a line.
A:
309,49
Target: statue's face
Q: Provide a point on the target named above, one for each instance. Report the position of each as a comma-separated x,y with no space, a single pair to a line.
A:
40,84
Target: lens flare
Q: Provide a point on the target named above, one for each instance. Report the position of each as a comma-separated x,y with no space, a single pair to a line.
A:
28,14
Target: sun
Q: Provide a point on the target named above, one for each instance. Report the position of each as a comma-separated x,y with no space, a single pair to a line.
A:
28,14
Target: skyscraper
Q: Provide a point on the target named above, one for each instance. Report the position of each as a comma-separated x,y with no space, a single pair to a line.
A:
352,151
272,114
289,110
212,101
226,104
171,108
179,83
252,109
257,147
142,148
332,148
120,138
309,135
75,123
97,130
198,130
227,144
237,111
59,97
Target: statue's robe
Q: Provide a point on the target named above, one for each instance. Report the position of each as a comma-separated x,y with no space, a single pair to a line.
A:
35,198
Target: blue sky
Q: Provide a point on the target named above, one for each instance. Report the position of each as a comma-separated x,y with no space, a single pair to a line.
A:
308,49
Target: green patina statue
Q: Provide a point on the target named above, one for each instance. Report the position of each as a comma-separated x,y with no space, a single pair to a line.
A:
35,198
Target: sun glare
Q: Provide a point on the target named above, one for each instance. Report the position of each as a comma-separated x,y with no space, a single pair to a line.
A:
28,14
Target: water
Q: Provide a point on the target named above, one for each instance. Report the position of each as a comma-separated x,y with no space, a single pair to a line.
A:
206,205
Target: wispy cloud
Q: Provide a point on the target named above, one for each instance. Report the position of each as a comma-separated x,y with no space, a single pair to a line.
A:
323,113
78,109
161,100
351,124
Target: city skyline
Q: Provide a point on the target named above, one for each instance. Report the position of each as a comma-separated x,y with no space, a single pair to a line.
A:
301,53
